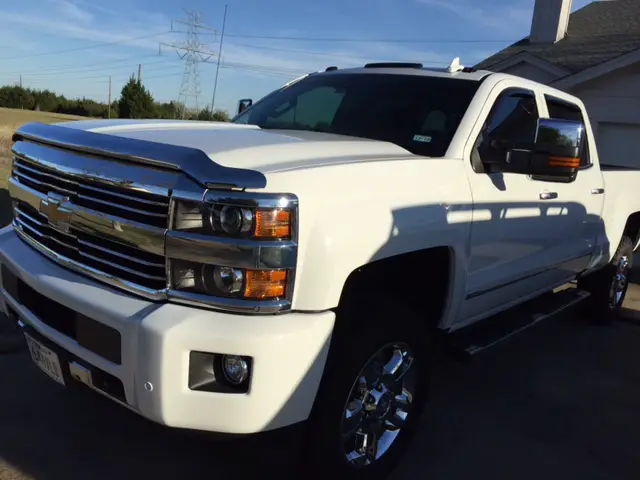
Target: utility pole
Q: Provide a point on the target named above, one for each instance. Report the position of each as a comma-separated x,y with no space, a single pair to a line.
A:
109,108
193,52
20,80
139,72
215,83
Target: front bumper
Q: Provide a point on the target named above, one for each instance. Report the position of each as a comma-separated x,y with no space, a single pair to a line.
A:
288,351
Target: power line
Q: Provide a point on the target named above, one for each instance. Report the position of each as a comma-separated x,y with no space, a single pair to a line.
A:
56,52
373,40
75,66
322,54
46,74
368,40
128,70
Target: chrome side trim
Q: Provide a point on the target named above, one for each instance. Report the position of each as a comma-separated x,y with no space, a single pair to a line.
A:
193,162
539,271
111,280
143,237
230,252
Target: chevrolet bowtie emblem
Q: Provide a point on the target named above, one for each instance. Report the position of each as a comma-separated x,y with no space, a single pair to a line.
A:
58,214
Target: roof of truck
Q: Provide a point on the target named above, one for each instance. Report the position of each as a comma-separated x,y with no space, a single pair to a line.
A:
409,69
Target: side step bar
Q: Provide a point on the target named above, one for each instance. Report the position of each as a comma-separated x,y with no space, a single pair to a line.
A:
492,331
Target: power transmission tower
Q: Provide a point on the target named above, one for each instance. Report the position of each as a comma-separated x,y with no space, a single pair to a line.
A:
193,52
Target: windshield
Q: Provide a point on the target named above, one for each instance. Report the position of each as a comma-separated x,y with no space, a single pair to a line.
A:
419,113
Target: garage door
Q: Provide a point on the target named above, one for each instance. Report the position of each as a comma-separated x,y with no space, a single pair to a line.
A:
619,144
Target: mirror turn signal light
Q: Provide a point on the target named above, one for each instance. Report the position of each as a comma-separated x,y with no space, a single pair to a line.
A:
567,162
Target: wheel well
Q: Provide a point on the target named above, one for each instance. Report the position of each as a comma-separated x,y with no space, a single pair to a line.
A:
632,228
418,279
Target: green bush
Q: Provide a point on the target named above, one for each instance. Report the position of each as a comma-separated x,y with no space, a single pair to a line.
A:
135,102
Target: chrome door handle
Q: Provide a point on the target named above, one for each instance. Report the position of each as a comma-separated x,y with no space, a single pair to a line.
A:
548,195
597,191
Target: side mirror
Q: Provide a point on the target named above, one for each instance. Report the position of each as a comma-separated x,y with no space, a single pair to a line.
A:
244,104
557,149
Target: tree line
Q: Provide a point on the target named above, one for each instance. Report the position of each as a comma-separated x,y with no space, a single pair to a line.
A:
135,101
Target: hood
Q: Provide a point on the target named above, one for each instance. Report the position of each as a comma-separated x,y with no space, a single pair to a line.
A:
249,146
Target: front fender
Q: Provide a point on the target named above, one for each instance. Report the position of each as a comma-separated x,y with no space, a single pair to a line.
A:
361,213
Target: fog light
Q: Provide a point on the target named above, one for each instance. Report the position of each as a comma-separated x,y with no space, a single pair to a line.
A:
235,369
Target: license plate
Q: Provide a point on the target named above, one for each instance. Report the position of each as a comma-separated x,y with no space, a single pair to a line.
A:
45,359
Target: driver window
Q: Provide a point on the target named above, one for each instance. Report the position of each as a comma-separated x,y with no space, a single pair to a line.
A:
313,109
511,124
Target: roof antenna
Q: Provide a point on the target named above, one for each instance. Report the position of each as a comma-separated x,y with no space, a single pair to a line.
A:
455,66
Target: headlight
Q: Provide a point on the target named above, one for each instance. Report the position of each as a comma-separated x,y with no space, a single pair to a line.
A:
233,220
233,249
228,282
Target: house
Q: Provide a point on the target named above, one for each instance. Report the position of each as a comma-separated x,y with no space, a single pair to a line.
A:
593,53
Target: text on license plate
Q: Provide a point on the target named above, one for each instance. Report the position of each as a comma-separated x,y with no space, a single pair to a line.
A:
46,359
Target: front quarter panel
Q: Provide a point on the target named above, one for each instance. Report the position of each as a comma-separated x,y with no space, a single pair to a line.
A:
351,215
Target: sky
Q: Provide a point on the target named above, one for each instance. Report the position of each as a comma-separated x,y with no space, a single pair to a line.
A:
72,47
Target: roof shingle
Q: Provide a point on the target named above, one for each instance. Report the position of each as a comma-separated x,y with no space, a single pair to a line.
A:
597,33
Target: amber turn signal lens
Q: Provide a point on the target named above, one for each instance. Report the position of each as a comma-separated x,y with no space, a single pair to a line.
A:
262,284
568,162
273,223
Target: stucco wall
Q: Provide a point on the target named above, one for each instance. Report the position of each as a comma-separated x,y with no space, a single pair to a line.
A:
613,104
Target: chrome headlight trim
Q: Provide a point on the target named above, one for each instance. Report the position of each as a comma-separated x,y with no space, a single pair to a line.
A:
245,253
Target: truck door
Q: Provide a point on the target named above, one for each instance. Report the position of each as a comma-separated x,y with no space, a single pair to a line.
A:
525,233
588,187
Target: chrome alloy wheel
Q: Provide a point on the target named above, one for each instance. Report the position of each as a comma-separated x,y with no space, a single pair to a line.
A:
378,404
619,282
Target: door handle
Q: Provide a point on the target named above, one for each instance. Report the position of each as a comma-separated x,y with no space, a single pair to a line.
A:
597,191
548,195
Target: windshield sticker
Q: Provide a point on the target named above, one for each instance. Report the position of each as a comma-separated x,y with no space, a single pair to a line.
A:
422,138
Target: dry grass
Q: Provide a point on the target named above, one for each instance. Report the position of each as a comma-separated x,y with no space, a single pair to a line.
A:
11,119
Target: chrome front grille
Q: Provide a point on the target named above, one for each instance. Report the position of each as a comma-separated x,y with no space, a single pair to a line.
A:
96,215
127,203
98,253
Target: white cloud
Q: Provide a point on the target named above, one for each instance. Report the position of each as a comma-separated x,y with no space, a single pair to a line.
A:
71,11
70,20
514,17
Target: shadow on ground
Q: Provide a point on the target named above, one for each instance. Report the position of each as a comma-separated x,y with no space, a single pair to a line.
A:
558,401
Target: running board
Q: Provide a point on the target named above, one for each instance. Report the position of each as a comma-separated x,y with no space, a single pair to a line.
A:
492,331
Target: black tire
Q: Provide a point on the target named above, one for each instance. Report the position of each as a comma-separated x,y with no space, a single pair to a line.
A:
357,338
602,307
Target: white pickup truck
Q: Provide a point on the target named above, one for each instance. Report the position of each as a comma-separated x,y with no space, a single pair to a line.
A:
297,265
